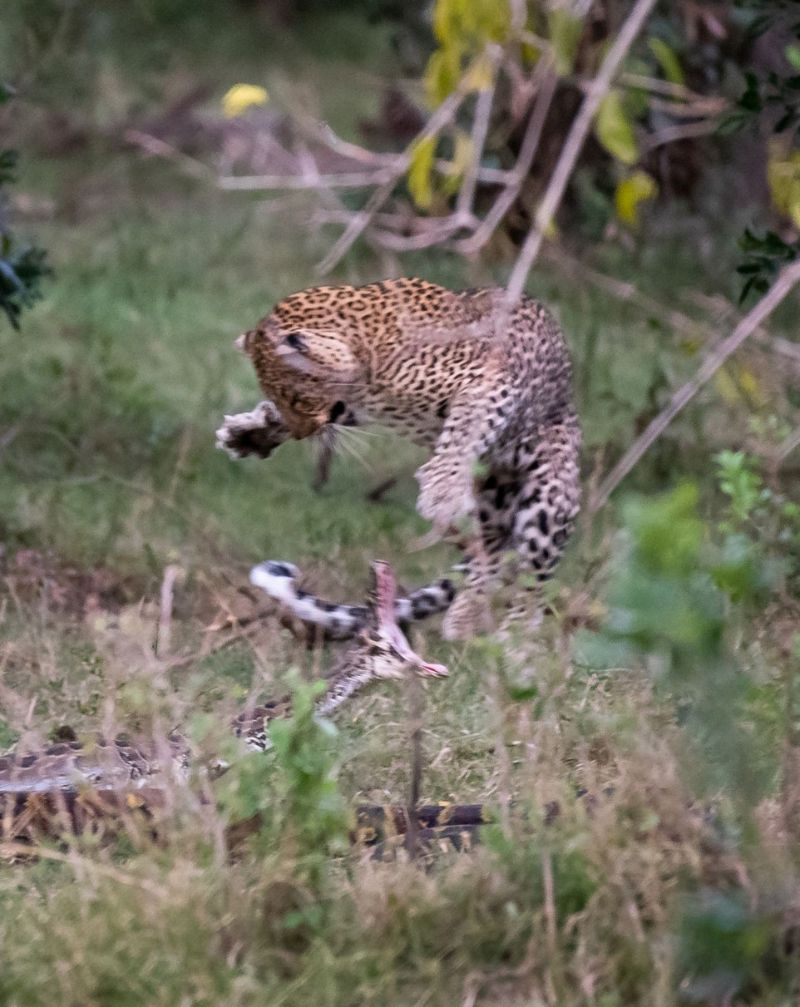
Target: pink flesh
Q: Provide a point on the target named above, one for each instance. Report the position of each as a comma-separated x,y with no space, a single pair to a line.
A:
386,591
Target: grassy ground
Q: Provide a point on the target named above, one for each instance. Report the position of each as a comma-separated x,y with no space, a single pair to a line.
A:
632,894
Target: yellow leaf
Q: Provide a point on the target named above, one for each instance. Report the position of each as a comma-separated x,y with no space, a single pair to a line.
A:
726,387
751,386
462,155
615,130
783,176
443,20
241,97
531,54
442,74
632,191
737,384
565,33
420,170
667,60
490,19
480,75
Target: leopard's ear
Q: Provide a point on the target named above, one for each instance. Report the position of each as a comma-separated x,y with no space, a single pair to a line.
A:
320,354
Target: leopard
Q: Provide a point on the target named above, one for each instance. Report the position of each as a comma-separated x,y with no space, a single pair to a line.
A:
483,385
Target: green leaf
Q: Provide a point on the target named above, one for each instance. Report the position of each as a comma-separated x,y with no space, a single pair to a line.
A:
442,73
615,130
565,33
667,60
420,172
792,53
632,191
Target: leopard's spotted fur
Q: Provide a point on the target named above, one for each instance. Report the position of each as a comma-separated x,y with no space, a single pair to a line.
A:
487,388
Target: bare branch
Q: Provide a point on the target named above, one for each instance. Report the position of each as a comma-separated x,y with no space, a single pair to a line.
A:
480,130
358,224
159,148
322,133
343,180
443,114
530,144
785,283
573,145
676,319
790,444
702,108
445,228
665,87
164,633
685,131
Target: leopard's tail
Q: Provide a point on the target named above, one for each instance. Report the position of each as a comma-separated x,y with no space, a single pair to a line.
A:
341,622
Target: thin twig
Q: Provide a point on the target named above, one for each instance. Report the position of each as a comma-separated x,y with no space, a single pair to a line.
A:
358,224
786,447
322,133
415,709
573,146
10,435
530,144
340,180
160,148
671,134
443,114
446,226
785,283
678,320
480,130
666,87
550,915
164,631
703,108
778,344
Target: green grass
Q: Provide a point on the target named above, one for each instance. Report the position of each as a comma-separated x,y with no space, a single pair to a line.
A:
109,398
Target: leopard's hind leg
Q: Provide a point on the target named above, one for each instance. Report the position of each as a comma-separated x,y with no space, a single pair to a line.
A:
485,557
545,513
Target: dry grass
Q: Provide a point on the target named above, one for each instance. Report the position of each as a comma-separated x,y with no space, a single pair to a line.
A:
613,878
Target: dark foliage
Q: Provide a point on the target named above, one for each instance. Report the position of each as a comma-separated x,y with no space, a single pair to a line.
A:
22,267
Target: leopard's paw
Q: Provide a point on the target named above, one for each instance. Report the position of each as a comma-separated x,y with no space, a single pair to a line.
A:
257,432
444,499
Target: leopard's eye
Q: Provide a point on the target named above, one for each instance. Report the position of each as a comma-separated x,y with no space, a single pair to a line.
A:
295,340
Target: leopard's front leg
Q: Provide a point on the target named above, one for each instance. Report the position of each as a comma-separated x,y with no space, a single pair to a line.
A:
447,497
257,432
447,480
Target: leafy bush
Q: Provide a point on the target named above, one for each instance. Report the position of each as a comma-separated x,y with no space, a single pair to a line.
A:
22,266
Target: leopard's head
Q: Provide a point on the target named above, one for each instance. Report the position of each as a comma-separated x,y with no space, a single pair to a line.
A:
304,363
